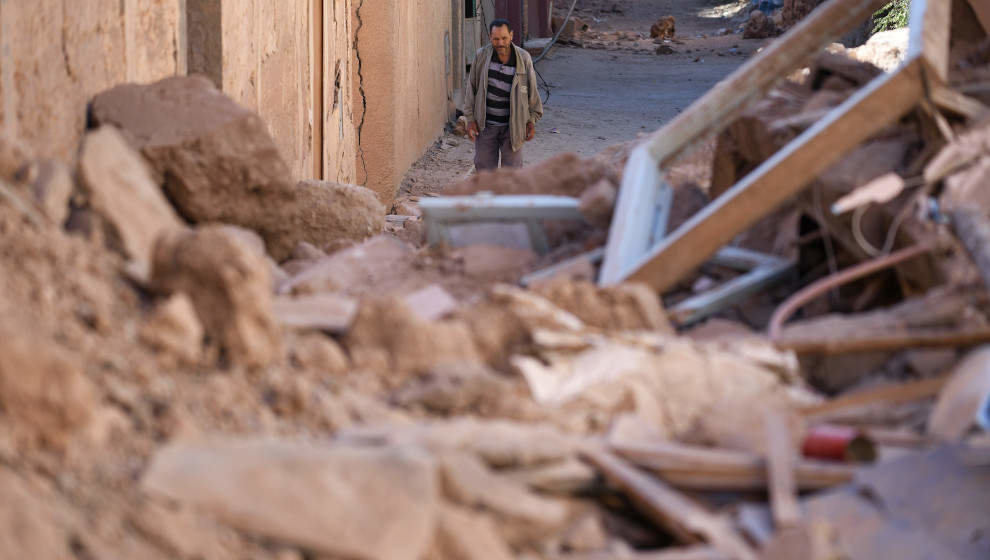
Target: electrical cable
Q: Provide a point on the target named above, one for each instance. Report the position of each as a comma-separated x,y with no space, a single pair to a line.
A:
567,18
546,85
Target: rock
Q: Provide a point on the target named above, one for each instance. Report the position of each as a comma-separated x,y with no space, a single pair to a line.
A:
493,263
325,212
174,328
118,187
621,307
885,50
431,303
663,28
316,351
229,284
571,476
42,390
853,73
598,203
219,164
305,251
460,129
407,206
665,49
387,333
502,444
13,156
49,183
455,389
464,535
587,534
183,532
363,503
760,26
523,516
352,271
30,527
332,313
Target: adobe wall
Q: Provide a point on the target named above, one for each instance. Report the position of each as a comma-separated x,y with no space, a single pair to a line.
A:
271,62
56,54
402,83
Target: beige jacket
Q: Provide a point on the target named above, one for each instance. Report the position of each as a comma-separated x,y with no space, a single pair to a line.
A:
524,98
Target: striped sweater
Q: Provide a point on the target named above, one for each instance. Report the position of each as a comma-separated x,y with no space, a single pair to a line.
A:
499,85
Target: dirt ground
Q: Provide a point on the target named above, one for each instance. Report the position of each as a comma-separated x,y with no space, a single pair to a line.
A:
584,112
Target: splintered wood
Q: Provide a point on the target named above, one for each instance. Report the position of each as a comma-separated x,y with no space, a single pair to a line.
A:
685,519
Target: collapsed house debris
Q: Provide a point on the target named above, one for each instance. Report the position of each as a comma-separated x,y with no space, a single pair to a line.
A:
200,358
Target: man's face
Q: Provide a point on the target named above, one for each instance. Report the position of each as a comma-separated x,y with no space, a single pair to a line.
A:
501,39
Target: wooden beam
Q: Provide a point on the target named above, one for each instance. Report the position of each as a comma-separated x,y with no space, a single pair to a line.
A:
702,468
885,342
887,395
685,519
880,103
929,24
829,21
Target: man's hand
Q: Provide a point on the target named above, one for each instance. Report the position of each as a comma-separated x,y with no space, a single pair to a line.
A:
530,131
472,130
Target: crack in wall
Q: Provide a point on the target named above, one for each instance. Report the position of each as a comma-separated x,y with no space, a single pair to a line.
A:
364,97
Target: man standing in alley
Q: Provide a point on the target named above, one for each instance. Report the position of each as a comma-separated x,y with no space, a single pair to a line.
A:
502,103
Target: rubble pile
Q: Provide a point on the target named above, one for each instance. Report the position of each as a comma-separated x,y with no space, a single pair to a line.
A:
203,358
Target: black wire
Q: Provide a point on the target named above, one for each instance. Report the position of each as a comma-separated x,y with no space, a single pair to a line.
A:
546,85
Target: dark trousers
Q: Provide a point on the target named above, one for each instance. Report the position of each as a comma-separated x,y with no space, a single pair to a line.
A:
491,142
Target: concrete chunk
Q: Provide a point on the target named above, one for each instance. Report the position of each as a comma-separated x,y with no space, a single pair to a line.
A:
352,502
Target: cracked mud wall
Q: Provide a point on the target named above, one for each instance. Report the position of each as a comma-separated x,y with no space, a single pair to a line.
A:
401,86
56,54
339,105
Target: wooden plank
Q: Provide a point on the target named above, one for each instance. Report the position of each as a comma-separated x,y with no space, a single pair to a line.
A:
829,21
929,25
780,471
880,103
951,100
888,395
701,468
685,519
885,342
982,10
